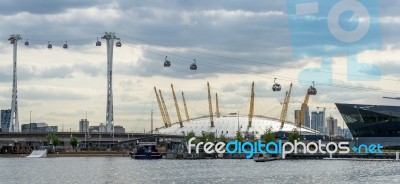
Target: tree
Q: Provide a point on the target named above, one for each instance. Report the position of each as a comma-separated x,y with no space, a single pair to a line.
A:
74,142
52,139
207,137
239,136
190,135
268,136
294,135
222,138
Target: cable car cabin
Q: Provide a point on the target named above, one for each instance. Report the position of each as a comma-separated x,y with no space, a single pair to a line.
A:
276,87
65,46
118,44
312,90
26,43
193,66
167,63
98,43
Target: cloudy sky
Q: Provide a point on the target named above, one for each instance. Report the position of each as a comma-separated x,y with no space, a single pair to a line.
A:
234,43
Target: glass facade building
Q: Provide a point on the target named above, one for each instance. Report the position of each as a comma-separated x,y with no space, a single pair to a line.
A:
318,121
371,120
5,120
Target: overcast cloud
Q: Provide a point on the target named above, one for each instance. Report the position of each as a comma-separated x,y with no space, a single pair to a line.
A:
234,43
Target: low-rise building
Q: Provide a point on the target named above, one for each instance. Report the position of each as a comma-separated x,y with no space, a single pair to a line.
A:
38,128
119,129
102,128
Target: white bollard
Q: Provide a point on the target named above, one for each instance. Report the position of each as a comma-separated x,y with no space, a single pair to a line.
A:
397,156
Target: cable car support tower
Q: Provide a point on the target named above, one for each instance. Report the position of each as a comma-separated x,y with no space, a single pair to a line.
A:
14,122
110,37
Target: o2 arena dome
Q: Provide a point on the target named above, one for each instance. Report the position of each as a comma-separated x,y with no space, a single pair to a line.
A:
229,125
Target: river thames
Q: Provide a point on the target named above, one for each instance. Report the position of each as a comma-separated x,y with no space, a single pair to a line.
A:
126,170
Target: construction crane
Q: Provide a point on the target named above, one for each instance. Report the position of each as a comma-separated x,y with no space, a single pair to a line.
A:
304,106
178,113
310,91
285,106
165,109
251,111
161,108
216,105
186,110
210,106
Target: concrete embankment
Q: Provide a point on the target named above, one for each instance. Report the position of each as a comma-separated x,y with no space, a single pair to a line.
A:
75,154
355,156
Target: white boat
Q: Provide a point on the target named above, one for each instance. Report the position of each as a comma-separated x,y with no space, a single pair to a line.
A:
262,157
38,154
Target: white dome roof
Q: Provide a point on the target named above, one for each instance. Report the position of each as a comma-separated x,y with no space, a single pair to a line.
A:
228,125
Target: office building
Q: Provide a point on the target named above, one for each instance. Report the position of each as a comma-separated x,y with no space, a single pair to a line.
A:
306,119
83,125
5,120
318,121
331,126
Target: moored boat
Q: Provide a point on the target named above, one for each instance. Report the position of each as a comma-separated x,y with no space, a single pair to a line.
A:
145,152
262,157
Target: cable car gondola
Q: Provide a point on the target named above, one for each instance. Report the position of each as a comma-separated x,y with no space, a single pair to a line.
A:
49,46
26,43
312,90
193,66
65,46
98,43
118,44
166,62
276,86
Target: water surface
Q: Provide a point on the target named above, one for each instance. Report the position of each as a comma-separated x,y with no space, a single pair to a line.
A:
126,170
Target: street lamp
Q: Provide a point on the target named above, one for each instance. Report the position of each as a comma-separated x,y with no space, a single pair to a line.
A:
357,141
238,121
30,122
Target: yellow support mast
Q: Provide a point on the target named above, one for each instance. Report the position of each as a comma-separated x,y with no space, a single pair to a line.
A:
186,110
165,109
251,111
303,110
216,105
210,106
161,108
285,106
177,107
